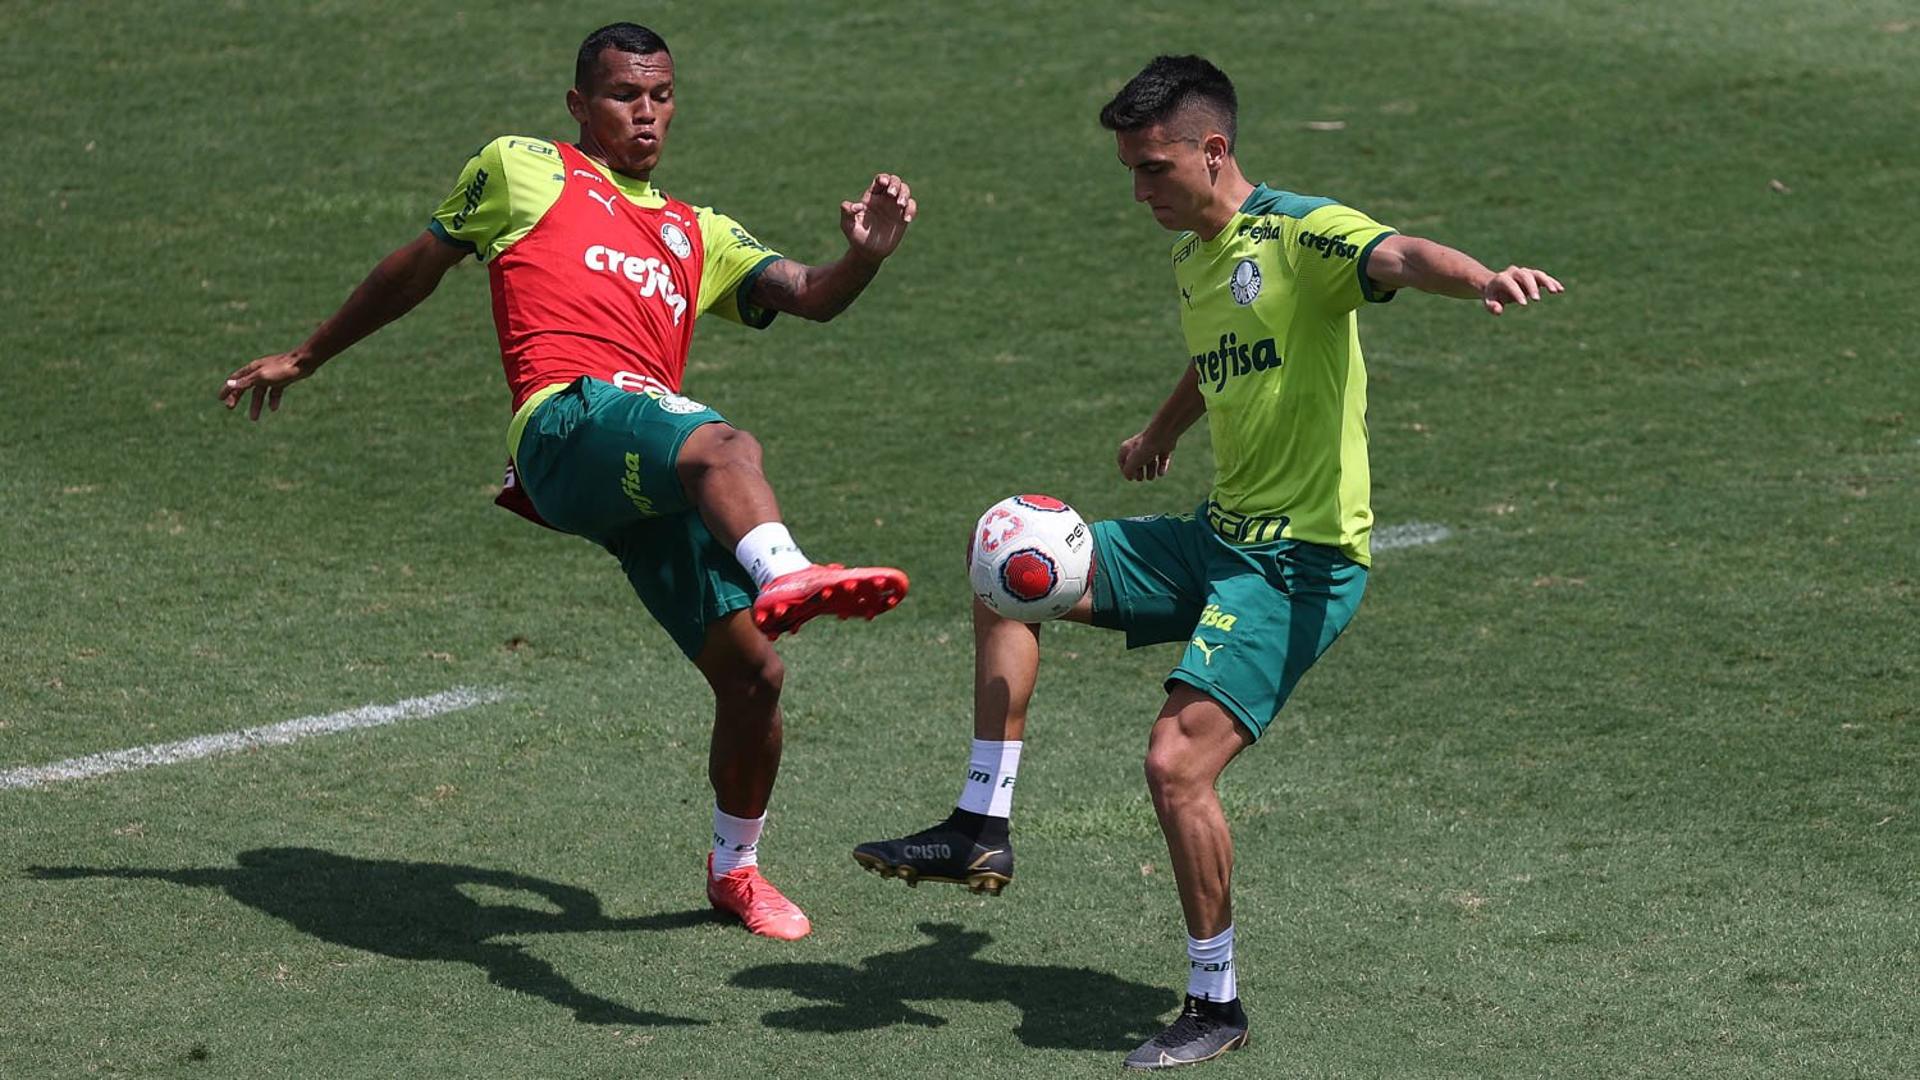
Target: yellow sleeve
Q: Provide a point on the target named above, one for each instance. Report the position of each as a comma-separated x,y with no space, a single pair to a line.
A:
478,209
734,260
1329,255
505,189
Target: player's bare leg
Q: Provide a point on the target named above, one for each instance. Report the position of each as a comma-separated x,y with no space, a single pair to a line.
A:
1006,665
746,675
1192,742
742,761
720,468
973,846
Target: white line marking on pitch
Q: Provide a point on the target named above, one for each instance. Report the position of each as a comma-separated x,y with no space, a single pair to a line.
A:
306,727
1412,534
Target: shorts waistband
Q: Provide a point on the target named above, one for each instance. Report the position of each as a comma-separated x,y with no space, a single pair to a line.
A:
1237,528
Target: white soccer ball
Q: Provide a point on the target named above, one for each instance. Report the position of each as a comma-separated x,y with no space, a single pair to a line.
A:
1030,558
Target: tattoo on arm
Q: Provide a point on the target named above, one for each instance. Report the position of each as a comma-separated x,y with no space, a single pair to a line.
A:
779,286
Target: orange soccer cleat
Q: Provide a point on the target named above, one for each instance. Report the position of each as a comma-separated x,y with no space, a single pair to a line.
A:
753,899
791,599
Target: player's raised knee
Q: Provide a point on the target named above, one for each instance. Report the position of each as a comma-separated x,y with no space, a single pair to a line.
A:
719,446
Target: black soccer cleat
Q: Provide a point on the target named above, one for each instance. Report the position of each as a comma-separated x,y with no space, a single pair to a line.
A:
942,853
1203,1031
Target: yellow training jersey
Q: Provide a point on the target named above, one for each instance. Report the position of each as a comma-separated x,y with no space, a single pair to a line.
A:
1267,307
510,183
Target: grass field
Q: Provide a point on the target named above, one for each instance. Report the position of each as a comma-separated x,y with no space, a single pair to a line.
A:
1619,780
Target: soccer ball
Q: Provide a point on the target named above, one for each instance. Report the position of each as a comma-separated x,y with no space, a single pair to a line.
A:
1030,558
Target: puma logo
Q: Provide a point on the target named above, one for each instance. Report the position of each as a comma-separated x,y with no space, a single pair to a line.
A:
603,200
1207,649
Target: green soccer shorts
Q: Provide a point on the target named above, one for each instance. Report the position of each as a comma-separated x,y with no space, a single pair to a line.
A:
1254,617
599,462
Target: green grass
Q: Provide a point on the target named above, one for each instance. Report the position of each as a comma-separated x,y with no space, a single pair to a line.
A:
1618,781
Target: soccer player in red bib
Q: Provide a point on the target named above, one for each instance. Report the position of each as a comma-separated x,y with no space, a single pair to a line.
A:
597,280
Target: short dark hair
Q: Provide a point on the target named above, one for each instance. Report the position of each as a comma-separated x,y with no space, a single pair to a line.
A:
624,36
1167,85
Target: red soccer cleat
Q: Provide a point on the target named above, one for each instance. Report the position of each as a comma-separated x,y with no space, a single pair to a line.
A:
791,599
754,901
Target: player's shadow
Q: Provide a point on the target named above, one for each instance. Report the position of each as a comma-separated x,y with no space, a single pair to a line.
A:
417,911
1060,1007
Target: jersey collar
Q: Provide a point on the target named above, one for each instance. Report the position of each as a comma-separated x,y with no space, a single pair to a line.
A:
1259,192
640,191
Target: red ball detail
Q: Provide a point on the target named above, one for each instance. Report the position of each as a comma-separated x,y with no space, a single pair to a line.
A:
997,528
1029,575
1042,502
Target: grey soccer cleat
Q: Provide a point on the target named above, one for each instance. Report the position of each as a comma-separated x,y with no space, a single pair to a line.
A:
1203,1031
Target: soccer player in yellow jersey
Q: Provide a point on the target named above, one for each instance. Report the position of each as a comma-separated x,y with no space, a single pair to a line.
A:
598,279
1262,577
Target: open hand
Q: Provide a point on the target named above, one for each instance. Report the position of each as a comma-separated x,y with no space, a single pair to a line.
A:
268,377
1516,285
877,221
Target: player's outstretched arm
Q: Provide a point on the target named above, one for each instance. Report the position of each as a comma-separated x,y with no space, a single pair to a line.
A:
393,288
874,225
1148,455
1414,263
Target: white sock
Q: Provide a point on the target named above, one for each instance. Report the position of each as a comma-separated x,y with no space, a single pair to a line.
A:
990,775
1210,967
736,841
767,551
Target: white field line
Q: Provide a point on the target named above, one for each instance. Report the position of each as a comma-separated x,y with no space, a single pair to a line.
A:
1412,534
306,727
